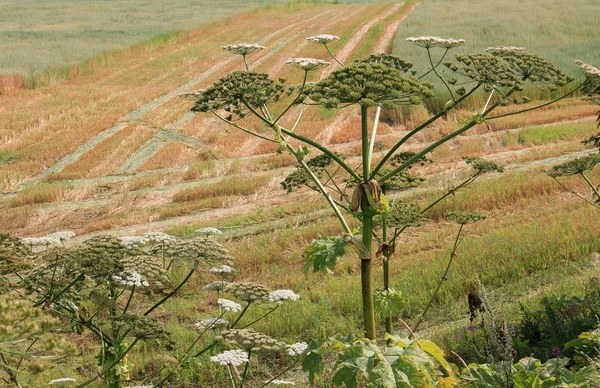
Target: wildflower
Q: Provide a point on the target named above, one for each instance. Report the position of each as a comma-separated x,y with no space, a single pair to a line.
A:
235,357
323,38
242,48
221,269
297,349
62,236
280,295
464,218
211,322
217,286
159,237
229,305
250,339
130,279
282,382
249,292
131,242
307,64
61,380
368,84
471,327
556,352
209,231
589,69
575,166
482,165
238,90
434,41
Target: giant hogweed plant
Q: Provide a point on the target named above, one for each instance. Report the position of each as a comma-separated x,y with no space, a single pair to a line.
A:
582,166
110,288
372,84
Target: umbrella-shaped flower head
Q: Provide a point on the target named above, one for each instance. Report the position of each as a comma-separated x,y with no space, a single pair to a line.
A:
242,48
323,38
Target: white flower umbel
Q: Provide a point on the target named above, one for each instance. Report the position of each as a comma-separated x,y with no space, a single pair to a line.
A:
434,41
211,322
297,349
589,69
222,269
242,48
131,242
130,279
62,236
229,305
235,357
160,237
307,64
209,231
323,38
61,380
219,285
280,295
282,382
41,241
505,49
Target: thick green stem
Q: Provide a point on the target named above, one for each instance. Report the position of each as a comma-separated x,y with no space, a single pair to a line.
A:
111,366
367,240
386,275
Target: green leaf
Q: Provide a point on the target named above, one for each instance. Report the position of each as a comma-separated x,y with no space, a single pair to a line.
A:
313,361
323,254
438,354
388,302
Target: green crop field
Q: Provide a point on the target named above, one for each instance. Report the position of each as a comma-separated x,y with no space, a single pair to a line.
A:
545,27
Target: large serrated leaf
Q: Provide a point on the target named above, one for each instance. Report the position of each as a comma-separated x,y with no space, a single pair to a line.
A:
322,255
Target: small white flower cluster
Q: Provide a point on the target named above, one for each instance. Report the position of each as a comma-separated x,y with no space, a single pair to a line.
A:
131,242
229,305
211,322
307,64
235,357
40,241
280,295
217,286
160,237
61,380
434,41
589,69
297,349
506,49
221,269
242,48
130,279
282,382
209,231
62,236
323,38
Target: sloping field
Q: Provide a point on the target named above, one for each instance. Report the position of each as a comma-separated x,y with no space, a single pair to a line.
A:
115,150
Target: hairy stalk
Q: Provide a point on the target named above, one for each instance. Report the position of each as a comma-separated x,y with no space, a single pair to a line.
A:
419,129
591,185
333,56
576,194
542,105
367,238
442,279
438,143
386,275
433,68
